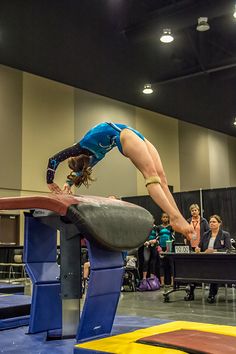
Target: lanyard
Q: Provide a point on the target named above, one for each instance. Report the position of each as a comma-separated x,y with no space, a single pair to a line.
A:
195,223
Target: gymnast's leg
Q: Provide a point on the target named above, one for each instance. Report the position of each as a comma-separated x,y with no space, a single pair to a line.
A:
143,157
160,172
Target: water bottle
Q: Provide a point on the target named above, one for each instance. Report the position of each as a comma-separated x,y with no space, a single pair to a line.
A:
169,246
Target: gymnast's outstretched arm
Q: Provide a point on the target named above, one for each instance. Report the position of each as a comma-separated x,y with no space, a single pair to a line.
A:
54,162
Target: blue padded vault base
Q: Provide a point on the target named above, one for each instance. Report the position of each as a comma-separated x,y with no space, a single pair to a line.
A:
103,292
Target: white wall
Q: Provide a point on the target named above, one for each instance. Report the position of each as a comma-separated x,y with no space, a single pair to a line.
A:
10,128
48,127
194,157
232,160
218,160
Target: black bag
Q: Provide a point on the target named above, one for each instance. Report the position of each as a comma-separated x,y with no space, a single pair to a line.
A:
129,281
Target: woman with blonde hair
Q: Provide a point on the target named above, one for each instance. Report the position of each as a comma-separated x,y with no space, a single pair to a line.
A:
199,224
93,147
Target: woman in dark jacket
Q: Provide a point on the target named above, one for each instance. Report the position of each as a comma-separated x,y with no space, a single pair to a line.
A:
216,239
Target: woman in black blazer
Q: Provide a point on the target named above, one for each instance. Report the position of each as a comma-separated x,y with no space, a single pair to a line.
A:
213,240
220,238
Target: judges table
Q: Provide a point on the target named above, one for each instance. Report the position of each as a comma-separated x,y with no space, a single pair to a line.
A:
202,268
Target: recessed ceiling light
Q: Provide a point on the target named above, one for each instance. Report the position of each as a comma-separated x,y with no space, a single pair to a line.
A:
147,89
203,25
234,14
166,36
235,121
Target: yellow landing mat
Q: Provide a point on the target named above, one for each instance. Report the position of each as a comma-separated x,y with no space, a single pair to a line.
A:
125,343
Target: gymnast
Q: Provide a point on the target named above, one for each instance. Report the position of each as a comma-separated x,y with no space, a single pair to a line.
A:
93,147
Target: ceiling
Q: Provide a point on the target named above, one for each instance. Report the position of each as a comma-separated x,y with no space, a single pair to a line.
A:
112,47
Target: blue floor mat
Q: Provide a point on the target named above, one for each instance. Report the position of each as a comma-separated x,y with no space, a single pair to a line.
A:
16,341
6,288
14,311
13,303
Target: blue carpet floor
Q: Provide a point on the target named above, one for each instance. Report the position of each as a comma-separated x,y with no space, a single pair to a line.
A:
16,341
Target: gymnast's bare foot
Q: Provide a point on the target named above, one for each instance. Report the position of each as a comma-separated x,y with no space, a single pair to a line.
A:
66,189
180,225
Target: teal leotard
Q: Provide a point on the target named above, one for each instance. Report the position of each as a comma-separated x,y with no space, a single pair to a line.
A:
97,142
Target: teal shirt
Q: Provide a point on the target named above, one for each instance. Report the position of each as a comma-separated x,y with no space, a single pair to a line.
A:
164,234
152,236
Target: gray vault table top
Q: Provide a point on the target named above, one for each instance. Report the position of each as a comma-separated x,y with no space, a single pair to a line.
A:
112,223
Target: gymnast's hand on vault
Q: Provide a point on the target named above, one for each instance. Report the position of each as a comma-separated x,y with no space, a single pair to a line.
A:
66,189
54,188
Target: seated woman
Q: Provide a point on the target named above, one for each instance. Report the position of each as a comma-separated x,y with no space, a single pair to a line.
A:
93,147
213,240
